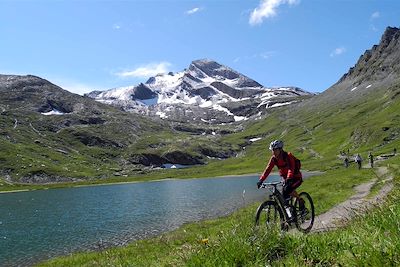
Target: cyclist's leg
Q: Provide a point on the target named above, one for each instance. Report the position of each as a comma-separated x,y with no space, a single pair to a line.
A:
289,188
296,195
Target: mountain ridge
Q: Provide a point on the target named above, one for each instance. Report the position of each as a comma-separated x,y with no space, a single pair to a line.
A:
377,68
209,91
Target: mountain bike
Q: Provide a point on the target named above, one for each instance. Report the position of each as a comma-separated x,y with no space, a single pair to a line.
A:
278,212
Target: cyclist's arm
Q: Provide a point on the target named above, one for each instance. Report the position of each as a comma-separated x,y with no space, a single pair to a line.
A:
291,165
268,169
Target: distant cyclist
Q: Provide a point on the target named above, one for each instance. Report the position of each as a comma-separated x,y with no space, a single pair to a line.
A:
286,164
358,159
371,159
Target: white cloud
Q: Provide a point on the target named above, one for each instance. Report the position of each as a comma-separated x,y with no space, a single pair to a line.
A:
193,10
116,26
338,51
263,55
268,9
375,15
146,71
268,54
373,28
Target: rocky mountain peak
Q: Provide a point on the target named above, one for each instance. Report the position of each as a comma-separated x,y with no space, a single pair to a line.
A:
377,70
379,62
205,67
390,34
212,68
17,81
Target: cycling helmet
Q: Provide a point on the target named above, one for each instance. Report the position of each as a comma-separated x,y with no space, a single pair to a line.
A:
275,144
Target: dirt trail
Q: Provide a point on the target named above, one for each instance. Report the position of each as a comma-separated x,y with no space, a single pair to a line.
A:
344,211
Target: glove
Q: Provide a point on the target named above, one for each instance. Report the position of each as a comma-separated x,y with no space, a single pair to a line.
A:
259,183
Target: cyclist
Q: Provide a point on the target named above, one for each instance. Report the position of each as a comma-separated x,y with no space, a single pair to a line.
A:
371,159
285,162
358,160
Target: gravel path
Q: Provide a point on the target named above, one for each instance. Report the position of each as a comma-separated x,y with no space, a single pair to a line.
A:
341,213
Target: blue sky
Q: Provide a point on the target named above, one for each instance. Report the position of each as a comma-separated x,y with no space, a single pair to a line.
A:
96,45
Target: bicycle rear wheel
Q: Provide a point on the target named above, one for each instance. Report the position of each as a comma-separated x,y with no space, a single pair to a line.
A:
270,215
304,215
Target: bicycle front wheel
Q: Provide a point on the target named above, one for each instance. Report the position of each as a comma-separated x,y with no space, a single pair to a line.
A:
270,215
305,213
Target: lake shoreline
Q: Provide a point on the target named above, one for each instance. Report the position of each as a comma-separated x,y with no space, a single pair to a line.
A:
306,174
71,185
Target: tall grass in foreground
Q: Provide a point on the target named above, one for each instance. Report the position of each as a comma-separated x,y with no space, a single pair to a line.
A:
370,240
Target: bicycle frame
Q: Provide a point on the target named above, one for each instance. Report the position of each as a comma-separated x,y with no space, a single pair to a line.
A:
278,198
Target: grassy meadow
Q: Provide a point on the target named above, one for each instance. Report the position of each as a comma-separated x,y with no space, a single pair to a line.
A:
370,239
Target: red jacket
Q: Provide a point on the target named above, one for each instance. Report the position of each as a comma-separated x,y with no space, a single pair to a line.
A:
286,168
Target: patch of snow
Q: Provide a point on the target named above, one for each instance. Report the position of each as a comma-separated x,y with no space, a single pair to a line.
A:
267,95
240,99
240,118
122,93
181,97
174,166
218,107
281,104
232,83
369,86
255,139
353,89
53,112
206,104
162,115
266,103
208,80
165,83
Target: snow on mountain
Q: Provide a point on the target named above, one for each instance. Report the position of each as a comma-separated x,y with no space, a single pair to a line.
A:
207,91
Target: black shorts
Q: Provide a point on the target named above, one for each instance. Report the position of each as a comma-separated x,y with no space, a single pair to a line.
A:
290,186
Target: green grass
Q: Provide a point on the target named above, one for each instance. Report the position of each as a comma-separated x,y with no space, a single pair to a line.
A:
369,240
315,132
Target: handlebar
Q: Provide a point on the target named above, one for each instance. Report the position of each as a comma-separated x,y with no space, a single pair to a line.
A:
274,184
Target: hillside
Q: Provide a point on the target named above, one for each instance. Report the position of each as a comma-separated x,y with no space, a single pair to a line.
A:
49,135
359,113
93,141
